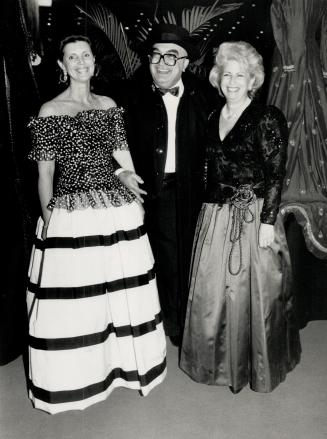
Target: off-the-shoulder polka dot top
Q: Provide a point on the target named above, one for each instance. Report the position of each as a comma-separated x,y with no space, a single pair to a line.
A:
82,148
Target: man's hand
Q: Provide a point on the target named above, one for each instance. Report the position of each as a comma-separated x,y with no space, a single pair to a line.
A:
266,235
132,181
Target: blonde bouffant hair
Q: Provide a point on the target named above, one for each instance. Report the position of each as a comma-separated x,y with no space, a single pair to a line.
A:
243,53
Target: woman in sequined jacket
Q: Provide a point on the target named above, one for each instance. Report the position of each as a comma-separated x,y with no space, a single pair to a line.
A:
239,325
94,314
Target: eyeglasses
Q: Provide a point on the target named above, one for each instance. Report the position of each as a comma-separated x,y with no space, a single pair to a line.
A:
168,58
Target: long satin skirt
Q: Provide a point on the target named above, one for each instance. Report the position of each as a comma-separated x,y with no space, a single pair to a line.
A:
94,315
239,329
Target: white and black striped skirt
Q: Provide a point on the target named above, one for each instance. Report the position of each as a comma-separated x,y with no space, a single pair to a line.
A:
94,314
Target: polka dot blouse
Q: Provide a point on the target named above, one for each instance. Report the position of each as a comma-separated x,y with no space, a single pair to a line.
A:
82,148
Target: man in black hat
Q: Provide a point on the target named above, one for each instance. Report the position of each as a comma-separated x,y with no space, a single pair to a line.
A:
166,119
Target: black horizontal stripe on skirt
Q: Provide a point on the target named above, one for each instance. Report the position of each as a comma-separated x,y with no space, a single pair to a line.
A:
90,241
91,290
57,344
63,396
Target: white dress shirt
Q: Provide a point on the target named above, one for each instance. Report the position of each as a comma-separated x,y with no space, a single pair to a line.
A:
171,103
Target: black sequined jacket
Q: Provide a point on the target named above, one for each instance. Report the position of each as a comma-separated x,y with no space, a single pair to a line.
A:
252,153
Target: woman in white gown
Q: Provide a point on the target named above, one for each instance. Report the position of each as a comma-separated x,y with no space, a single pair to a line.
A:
94,314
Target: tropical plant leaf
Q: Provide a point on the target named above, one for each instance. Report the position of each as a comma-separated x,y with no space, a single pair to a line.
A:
107,22
169,18
142,33
198,19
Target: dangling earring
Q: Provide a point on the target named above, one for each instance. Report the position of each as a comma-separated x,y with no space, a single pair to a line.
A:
63,76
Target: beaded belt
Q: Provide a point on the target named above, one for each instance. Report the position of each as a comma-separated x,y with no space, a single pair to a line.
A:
241,201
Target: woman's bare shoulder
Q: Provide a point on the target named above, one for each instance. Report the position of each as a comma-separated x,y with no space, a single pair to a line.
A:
54,107
106,102
48,109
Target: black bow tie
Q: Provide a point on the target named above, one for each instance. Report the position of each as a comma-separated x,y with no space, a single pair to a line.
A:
174,91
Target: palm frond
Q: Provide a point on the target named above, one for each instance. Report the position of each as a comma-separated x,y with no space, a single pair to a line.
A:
169,18
107,22
198,19
142,33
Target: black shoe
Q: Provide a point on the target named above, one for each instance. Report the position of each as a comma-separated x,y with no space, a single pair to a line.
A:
176,340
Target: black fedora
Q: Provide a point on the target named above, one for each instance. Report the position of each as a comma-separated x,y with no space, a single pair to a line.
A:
171,33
